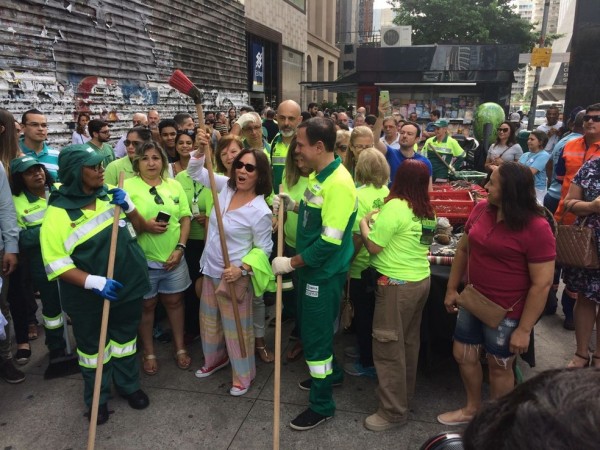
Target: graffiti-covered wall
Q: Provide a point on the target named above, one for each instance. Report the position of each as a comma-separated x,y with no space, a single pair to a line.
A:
115,57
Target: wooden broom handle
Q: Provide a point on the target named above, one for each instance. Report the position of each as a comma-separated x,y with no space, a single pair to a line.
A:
278,302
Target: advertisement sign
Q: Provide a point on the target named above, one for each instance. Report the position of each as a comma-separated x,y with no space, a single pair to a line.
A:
258,53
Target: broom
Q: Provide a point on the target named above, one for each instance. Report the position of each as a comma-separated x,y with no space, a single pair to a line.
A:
184,85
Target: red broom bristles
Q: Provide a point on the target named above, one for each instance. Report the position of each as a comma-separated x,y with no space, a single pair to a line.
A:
184,85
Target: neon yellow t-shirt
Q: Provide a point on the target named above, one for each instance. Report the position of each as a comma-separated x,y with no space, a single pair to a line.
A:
400,233
369,198
195,193
158,247
296,192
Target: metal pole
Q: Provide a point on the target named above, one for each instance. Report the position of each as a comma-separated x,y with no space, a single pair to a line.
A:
538,69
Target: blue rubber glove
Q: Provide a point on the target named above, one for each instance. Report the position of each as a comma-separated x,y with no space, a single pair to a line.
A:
121,198
105,287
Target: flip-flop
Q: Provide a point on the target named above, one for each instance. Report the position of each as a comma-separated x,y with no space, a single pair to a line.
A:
182,359
295,353
154,369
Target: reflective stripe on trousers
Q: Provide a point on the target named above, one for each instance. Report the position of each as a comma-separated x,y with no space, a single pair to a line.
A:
113,350
52,323
320,369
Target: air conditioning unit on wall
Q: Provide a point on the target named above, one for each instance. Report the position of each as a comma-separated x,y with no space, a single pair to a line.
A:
400,36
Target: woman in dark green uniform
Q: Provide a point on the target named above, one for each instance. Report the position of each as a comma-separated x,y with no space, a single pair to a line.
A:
75,237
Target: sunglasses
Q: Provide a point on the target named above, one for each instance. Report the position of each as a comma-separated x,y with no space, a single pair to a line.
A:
503,130
191,133
249,167
127,143
592,118
342,147
157,198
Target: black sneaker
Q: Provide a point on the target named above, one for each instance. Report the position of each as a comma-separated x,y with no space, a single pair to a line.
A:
307,420
306,384
9,373
569,324
22,356
103,414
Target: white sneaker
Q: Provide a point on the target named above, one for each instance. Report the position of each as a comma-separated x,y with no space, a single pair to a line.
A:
236,391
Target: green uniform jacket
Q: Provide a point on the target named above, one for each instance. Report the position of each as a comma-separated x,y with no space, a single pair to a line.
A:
279,150
325,219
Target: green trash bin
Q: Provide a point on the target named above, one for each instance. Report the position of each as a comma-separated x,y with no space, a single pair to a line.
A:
522,137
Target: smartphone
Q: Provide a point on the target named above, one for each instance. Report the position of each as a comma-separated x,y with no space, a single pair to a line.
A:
384,98
163,217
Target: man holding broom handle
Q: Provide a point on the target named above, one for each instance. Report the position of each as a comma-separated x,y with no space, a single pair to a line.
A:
324,244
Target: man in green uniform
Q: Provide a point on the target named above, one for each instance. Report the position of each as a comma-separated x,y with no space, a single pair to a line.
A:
288,117
74,238
324,250
444,147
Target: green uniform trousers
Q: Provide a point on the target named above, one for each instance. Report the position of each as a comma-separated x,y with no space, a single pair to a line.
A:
121,364
51,308
318,310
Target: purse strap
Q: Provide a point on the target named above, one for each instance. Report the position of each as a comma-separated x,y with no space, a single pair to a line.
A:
569,208
469,247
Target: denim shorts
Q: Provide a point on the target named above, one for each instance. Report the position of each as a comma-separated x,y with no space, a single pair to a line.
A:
168,282
470,330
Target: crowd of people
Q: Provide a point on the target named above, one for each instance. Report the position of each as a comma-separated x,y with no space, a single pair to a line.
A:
358,219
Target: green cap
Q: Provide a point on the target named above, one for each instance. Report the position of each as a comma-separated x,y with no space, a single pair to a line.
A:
440,123
20,165
73,157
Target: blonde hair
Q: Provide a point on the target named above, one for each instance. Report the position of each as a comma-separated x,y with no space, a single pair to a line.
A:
372,168
342,135
358,132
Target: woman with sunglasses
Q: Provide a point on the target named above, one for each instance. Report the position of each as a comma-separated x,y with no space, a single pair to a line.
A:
164,244
227,150
360,138
505,148
536,159
342,139
135,137
247,227
74,238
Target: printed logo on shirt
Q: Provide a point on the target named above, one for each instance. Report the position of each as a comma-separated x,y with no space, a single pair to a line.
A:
427,231
312,291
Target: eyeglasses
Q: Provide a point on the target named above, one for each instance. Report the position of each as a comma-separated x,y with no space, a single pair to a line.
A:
157,198
190,133
36,125
592,118
503,130
249,167
96,168
342,147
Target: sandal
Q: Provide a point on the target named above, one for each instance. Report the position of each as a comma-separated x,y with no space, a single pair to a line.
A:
265,355
573,363
295,352
149,365
182,359
32,332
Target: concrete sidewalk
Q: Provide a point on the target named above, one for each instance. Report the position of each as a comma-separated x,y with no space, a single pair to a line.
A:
188,413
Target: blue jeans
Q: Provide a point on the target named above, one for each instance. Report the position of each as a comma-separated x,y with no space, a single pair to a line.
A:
470,330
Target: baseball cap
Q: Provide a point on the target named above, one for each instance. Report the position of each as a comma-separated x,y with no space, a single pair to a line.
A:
20,165
440,123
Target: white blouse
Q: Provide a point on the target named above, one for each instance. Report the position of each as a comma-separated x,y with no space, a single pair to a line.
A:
245,227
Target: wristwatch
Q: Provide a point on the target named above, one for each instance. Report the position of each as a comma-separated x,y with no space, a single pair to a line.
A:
244,272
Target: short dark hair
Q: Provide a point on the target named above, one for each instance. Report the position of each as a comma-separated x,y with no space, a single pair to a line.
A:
305,115
519,203
144,133
165,123
30,111
270,114
264,182
593,107
320,129
542,137
436,113
556,409
95,125
408,122
179,118
312,105
371,119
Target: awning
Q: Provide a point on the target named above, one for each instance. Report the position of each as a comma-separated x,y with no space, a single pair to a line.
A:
349,83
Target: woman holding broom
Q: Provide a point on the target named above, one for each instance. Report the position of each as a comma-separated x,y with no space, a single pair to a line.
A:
74,239
247,228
